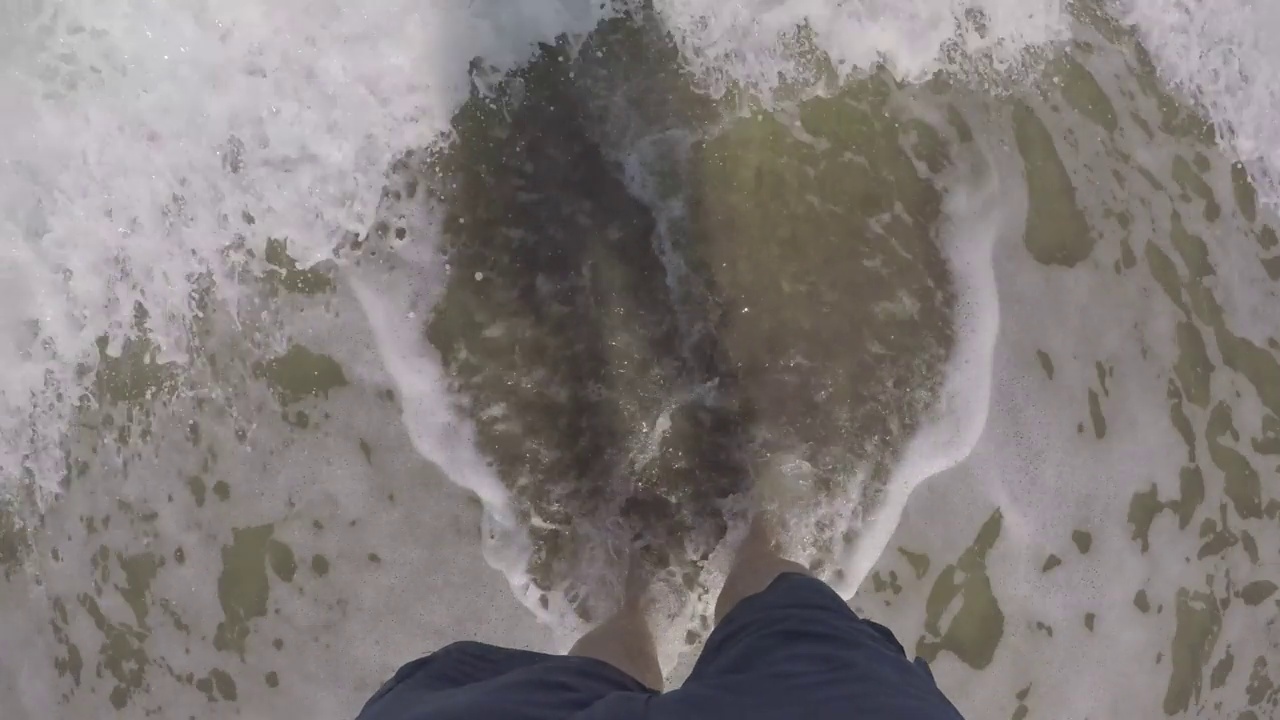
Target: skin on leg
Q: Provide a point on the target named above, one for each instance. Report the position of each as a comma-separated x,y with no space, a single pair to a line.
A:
624,641
756,565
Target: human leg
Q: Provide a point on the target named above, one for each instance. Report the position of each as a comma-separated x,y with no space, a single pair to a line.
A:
787,645
624,641
755,567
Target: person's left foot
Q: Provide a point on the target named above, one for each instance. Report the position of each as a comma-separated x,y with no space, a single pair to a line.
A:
639,579
625,639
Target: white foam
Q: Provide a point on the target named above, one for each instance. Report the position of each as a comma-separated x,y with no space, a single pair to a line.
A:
1052,472
392,303
980,208
752,43
1223,56
136,134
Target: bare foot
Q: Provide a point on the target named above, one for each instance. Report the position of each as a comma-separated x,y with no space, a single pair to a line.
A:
784,487
755,567
624,640
759,558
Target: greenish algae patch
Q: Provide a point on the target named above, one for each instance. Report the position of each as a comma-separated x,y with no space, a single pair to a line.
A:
1178,418
134,377
15,542
1257,592
1145,127
73,663
1257,364
243,588
919,562
1260,688
224,684
1250,546
1243,485
1199,623
1191,248
1095,415
289,277
1269,443
1165,273
1150,178
1222,670
139,570
1141,602
198,490
319,565
1190,181
878,583
1143,509
280,558
1083,93
100,563
1206,309
1219,540
1083,541
1242,188
1050,563
1193,366
205,685
122,654
1191,485
300,373
976,628
1176,119
1272,267
222,490
1267,238
272,679
1146,505
1057,232
894,585
1089,619
1046,363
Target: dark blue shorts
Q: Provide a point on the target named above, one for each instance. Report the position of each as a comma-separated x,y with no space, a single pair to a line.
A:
795,650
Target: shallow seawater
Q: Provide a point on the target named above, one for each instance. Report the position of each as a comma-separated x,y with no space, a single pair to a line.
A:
994,304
